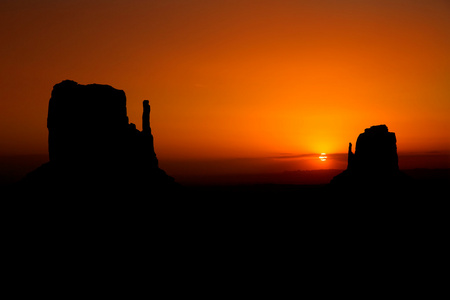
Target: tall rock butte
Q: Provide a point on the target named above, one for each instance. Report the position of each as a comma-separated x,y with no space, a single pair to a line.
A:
375,161
92,144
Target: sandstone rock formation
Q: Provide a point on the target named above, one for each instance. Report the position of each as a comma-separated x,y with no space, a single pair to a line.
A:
375,161
92,145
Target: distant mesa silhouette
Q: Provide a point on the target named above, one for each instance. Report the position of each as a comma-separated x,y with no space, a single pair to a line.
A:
375,161
92,144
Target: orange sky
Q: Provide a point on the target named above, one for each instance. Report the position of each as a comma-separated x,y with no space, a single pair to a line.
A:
233,79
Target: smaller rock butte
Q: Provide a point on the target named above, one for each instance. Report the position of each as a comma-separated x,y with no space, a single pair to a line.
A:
375,160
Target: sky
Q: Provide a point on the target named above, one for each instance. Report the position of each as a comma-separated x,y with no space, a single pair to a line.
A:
270,81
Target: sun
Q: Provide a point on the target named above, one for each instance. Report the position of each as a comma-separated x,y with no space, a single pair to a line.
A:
323,157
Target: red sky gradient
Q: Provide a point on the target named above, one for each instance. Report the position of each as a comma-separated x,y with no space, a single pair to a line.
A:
268,81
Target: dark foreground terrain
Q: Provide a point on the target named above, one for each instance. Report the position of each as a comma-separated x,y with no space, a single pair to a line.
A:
210,240
298,185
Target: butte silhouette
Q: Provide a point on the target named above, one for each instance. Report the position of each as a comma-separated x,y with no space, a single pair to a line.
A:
93,147
374,163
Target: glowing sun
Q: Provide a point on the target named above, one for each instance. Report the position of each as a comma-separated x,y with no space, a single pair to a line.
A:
323,156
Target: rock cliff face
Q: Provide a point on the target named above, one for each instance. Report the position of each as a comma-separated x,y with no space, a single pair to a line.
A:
375,160
376,151
93,145
86,122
